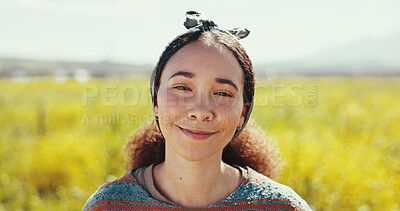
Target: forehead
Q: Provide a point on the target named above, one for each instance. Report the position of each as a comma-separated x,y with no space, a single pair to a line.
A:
205,61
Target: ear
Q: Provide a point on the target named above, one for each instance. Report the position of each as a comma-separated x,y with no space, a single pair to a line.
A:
243,115
156,110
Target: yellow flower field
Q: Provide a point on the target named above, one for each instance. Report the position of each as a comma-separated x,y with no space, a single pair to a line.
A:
339,138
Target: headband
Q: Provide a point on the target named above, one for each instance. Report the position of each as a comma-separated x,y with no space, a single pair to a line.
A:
195,20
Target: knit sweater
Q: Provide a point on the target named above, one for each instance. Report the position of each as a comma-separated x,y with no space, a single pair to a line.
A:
257,192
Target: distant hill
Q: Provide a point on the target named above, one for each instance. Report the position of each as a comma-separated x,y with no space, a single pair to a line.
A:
12,67
367,57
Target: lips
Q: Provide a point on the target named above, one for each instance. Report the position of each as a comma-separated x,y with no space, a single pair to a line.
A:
195,134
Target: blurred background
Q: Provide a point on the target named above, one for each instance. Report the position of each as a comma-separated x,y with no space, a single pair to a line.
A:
74,84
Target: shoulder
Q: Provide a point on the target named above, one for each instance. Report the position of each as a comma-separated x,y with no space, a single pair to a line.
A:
122,192
265,193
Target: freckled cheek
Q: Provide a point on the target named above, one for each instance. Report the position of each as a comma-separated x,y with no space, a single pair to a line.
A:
227,115
169,115
169,108
171,99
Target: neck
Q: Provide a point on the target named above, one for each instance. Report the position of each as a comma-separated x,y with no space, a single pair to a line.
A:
195,183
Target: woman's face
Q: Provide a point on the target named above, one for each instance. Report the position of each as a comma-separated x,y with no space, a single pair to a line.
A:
200,101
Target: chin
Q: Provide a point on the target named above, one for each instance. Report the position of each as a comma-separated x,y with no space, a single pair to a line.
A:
195,152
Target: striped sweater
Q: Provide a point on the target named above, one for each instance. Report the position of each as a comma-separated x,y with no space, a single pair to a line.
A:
257,192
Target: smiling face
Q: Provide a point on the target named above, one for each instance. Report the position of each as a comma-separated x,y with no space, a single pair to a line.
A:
200,101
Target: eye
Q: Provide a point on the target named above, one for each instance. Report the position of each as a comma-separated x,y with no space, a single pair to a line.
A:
183,88
224,94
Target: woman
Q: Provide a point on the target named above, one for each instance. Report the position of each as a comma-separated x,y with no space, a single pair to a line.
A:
192,156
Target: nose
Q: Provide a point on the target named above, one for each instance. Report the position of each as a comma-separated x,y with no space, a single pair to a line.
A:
200,114
200,109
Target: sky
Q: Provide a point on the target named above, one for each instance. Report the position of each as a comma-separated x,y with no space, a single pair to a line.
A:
136,32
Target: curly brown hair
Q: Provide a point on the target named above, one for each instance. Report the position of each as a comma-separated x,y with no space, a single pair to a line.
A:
251,148
248,146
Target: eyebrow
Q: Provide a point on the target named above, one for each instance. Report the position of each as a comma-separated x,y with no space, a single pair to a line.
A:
226,81
191,75
182,73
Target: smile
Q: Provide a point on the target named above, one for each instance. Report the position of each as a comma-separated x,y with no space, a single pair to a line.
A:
197,134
